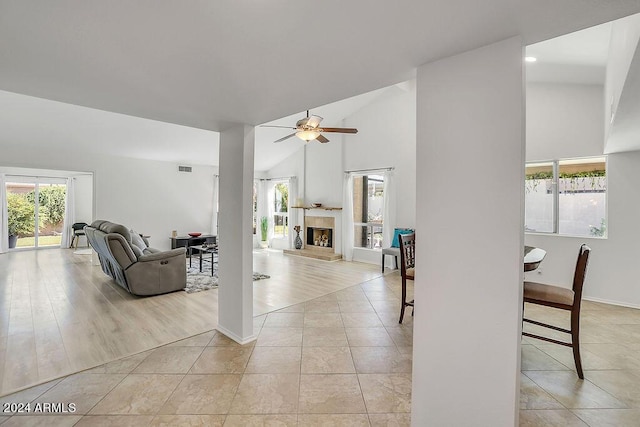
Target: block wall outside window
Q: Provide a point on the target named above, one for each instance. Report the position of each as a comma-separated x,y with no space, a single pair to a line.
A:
567,197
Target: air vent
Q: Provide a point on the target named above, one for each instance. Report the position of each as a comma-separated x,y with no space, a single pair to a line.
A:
184,168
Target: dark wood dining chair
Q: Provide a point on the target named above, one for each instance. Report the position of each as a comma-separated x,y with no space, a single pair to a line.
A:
563,299
407,267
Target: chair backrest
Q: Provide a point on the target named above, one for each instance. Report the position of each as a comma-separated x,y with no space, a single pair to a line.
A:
580,273
395,243
407,252
79,226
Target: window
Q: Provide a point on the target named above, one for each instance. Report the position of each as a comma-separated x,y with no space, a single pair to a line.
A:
368,208
566,197
280,209
35,213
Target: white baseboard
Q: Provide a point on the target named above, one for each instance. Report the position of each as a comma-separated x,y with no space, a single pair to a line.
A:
606,301
236,338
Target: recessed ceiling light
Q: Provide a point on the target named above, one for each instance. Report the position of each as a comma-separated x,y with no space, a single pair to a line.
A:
530,58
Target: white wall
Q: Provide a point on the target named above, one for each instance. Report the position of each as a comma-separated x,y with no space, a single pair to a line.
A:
564,120
324,171
84,198
151,197
611,276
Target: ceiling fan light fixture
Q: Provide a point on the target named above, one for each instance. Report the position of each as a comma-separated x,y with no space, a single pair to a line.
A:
308,135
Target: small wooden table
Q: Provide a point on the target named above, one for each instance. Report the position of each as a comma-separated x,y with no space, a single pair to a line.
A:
533,257
186,241
213,250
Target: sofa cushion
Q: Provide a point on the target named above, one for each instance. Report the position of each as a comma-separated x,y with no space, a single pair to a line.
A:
136,240
136,250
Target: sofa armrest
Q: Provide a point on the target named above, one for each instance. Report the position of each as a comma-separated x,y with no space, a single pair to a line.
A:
158,273
163,255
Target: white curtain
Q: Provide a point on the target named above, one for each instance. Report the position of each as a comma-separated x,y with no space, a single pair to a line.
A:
347,217
294,217
69,214
389,212
270,197
263,206
4,227
214,214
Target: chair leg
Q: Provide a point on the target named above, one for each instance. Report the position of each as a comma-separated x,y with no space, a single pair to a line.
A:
575,342
404,299
382,263
73,237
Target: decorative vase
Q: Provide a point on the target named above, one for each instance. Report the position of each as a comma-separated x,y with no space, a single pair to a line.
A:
298,241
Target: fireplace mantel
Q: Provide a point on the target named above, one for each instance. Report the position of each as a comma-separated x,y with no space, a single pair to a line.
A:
325,208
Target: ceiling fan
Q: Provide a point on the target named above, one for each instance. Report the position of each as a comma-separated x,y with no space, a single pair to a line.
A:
309,129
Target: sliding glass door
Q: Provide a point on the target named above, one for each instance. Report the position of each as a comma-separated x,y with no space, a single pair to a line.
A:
35,211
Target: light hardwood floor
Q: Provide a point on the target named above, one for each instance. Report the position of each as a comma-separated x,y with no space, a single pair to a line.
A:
60,314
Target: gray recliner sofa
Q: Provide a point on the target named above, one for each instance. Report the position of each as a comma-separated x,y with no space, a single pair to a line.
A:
127,258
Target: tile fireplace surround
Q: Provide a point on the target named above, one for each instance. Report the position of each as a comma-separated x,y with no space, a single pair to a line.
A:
311,250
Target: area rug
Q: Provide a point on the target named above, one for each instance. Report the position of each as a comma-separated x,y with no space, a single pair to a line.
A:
197,281
86,251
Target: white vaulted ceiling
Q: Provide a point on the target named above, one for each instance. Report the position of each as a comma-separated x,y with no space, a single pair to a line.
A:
207,64
579,57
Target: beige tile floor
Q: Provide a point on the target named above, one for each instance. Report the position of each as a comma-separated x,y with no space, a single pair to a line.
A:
551,393
341,359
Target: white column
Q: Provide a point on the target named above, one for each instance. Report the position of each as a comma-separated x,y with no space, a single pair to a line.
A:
469,229
235,291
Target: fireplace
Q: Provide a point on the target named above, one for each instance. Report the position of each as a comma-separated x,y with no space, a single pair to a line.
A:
319,233
319,236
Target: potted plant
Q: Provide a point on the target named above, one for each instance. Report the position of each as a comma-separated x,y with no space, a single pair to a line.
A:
264,228
13,237
20,218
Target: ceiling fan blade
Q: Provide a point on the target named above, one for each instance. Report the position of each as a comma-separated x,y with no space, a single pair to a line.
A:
285,137
339,130
322,139
275,126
